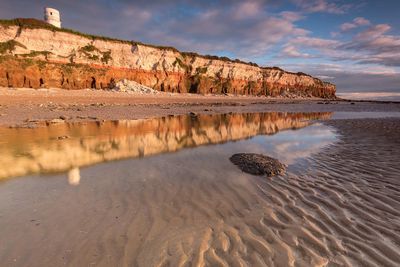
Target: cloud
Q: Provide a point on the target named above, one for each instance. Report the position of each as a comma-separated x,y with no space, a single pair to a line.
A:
360,21
319,46
315,42
369,46
291,51
373,32
244,29
357,22
247,9
292,16
352,78
323,6
374,45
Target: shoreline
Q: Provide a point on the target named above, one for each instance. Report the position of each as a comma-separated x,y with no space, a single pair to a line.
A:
23,107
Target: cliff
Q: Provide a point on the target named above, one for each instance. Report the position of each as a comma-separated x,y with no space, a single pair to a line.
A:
34,54
28,151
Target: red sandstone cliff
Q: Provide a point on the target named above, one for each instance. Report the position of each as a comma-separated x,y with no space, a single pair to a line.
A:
34,54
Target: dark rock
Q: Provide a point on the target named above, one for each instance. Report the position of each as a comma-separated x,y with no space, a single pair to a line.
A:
257,164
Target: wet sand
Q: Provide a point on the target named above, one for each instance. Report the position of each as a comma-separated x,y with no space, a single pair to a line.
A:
338,204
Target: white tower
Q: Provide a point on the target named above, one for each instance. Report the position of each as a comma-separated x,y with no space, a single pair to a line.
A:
52,16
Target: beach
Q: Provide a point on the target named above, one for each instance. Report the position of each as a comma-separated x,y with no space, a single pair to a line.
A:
19,106
112,179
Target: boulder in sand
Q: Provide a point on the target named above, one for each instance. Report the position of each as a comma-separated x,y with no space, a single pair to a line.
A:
258,164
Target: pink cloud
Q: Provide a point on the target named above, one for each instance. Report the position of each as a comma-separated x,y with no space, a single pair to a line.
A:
322,6
357,22
291,16
247,10
291,51
361,21
374,32
315,42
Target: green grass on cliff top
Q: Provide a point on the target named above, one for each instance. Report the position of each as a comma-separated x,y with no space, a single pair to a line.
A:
31,23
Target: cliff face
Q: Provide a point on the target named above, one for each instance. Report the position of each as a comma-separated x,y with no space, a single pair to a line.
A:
48,57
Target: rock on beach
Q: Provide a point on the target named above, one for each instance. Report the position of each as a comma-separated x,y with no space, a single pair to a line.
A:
258,164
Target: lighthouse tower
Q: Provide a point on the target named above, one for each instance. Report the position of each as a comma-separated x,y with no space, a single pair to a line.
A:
52,16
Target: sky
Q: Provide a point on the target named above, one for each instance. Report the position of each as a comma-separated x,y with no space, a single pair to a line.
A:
353,44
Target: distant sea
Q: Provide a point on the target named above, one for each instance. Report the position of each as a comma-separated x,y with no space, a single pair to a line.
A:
382,96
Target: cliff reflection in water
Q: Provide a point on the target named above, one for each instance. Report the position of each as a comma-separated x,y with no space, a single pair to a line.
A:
39,150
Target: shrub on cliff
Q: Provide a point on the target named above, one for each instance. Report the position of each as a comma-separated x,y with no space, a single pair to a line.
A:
9,46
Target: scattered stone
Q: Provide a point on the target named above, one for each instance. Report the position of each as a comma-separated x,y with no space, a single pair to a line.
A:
352,103
54,121
257,164
62,117
192,114
63,137
126,85
24,125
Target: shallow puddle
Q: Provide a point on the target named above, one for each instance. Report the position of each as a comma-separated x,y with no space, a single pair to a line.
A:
162,192
67,146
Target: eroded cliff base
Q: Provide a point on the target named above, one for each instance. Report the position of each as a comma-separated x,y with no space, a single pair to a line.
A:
33,73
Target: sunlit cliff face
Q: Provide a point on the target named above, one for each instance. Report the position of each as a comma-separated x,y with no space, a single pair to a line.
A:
41,150
34,57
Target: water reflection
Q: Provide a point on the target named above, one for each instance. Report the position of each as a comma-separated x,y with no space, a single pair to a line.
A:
40,150
74,176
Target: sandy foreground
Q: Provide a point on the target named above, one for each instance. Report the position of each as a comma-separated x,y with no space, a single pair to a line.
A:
338,206
22,106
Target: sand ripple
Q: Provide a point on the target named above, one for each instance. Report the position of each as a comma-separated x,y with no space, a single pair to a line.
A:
340,207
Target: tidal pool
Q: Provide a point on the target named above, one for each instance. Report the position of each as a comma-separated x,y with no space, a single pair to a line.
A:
162,192
68,146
